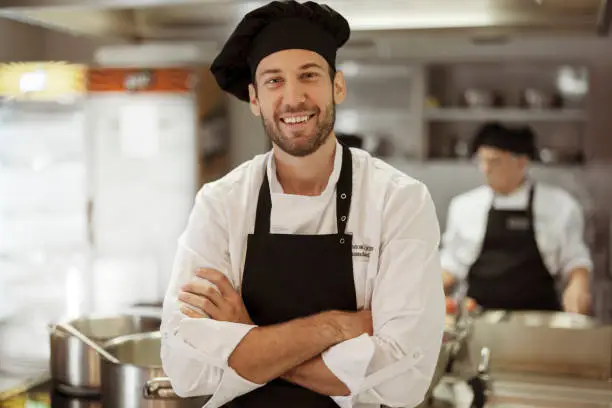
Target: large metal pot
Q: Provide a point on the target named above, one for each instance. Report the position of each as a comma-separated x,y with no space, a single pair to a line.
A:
75,367
138,380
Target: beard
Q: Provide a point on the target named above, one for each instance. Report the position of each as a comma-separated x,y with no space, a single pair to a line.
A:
300,144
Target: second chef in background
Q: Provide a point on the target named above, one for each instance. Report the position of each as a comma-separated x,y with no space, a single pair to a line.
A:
512,240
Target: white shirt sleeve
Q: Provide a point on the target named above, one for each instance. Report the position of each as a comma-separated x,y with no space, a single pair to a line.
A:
573,251
395,366
194,352
451,241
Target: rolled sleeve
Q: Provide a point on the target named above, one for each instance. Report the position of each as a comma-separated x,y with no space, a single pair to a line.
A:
349,361
574,252
195,352
395,366
195,356
451,264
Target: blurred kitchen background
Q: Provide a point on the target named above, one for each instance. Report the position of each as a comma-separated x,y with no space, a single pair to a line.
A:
110,123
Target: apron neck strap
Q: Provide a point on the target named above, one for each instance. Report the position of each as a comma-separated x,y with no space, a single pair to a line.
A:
344,192
530,201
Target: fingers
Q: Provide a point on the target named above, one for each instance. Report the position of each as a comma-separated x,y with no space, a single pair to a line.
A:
211,292
219,279
200,302
189,312
203,289
577,304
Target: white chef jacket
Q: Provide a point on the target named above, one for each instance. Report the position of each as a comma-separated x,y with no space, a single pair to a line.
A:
558,226
396,267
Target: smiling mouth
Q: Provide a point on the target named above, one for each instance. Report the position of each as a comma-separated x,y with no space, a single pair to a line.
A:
297,120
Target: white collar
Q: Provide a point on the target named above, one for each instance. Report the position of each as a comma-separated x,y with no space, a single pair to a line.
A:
519,198
523,189
276,188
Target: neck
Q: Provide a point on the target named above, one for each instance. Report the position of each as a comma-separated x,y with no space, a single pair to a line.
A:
307,175
513,187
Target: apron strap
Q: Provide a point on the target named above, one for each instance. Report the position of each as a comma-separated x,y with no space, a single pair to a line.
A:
530,211
344,192
264,207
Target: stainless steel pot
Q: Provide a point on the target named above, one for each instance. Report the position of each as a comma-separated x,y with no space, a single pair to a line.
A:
139,381
75,367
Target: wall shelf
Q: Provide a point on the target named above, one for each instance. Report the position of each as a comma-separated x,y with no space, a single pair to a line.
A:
504,115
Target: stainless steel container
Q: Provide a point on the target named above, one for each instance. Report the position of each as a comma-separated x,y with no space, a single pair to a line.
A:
75,367
545,343
139,381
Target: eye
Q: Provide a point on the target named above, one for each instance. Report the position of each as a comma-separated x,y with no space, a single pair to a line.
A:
310,75
273,81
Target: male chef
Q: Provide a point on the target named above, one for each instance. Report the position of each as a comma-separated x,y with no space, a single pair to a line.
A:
309,276
512,239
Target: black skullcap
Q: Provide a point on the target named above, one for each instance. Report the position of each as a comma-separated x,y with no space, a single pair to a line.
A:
519,141
274,27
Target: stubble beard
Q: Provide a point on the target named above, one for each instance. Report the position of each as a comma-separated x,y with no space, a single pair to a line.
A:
295,146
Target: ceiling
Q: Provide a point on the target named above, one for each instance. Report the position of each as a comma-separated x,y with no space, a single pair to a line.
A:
188,20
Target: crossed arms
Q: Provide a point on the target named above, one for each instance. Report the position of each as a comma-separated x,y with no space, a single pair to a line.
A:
386,357
289,350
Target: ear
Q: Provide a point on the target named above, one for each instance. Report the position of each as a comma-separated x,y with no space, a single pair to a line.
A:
253,101
339,87
523,161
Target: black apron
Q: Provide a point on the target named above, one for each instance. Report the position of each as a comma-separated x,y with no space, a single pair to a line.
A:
291,276
509,273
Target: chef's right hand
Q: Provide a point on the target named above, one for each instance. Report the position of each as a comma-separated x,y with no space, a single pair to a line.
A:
210,291
354,324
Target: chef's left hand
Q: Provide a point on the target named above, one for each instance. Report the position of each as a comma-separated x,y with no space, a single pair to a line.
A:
224,304
577,297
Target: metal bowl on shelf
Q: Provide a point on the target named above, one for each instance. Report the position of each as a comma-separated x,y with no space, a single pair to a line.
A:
476,98
533,98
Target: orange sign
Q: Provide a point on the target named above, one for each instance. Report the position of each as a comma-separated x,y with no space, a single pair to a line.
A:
136,80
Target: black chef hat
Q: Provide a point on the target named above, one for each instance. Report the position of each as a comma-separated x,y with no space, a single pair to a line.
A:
519,141
274,27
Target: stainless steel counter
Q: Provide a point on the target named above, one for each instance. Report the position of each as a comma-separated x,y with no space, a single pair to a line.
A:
522,391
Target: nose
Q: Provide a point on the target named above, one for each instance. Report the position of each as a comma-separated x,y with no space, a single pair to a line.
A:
294,94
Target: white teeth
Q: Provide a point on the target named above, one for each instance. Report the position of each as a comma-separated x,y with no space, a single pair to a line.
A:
296,119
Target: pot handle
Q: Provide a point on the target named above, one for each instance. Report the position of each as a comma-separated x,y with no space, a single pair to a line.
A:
159,388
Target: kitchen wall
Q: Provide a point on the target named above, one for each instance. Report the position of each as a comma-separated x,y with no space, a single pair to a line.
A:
23,42
20,42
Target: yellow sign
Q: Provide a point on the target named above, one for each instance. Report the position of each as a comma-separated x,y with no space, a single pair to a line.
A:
42,80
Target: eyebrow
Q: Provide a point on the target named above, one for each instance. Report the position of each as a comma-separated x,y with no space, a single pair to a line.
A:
304,67
311,65
269,71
